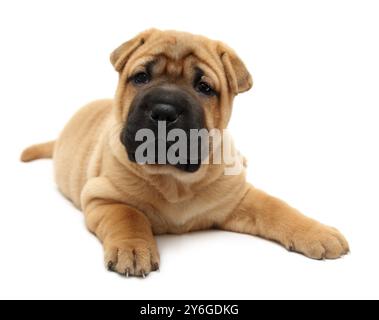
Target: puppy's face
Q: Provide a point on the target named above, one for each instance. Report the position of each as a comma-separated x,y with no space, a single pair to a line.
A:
174,81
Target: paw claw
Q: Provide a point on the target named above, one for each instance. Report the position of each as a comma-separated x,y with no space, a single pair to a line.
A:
320,242
135,257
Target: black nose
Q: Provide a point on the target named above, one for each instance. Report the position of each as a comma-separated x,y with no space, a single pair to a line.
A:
164,112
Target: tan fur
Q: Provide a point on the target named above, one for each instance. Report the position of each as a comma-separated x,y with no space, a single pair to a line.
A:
125,203
38,151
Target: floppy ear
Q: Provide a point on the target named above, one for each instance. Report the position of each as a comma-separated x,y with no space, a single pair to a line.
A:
121,55
236,72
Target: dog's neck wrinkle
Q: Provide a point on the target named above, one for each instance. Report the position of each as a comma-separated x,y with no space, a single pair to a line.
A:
171,189
175,191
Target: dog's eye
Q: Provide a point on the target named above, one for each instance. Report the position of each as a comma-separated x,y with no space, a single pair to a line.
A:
141,78
205,88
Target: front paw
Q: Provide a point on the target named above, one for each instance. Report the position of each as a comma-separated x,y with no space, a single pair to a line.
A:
319,242
132,257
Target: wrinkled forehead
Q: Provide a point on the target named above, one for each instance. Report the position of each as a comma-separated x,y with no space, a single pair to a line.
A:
178,55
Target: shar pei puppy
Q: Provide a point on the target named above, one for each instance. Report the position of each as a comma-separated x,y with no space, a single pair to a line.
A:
173,81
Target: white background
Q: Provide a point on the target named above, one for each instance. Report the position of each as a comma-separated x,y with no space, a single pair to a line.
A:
309,127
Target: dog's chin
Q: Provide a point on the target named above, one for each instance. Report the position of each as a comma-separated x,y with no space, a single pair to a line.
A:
189,168
186,167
